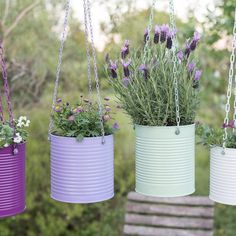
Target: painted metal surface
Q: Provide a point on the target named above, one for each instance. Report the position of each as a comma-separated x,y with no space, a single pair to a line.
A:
82,172
165,162
12,181
223,175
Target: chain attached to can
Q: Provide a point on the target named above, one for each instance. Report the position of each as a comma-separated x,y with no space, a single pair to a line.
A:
229,88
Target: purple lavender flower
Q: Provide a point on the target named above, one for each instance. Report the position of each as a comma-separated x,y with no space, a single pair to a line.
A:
115,125
231,124
126,81
107,108
224,125
113,68
126,68
58,100
191,67
146,35
187,49
169,40
180,55
164,31
196,38
144,69
157,34
197,75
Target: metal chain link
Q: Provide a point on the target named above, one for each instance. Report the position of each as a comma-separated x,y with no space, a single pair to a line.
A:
175,61
100,106
150,23
87,49
55,93
229,89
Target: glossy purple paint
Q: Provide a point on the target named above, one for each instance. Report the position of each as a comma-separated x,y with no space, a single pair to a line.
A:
12,181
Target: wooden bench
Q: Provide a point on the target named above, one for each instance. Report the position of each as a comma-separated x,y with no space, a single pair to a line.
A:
182,216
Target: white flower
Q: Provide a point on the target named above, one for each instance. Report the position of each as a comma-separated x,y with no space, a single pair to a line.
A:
19,124
22,118
27,123
18,138
6,144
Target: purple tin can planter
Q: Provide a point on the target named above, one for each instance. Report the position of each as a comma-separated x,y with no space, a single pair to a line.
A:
12,181
82,172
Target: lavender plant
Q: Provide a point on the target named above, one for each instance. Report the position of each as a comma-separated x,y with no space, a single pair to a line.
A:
82,119
145,87
214,137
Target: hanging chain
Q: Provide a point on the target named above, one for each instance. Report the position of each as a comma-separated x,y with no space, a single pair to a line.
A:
234,46
2,63
175,61
229,89
6,89
87,49
95,70
150,23
55,93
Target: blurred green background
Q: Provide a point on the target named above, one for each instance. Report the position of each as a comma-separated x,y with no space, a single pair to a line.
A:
30,32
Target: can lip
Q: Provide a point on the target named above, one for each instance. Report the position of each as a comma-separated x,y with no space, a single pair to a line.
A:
164,127
9,149
85,138
220,148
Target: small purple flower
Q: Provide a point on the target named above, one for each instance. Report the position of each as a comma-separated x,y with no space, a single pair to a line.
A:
106,117
107,99
57,108
180,55
169,40
126,68
115,125
187,49
126,81
197,75
157,34
58,100
71,118
146,35
191,67
113,68
107,108
196,38
164,31
231,124
144,69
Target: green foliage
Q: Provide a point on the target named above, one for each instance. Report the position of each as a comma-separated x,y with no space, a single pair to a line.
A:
81,120
147,94
214,137
7,132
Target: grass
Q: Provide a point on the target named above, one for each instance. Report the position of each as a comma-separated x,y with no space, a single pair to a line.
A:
50,218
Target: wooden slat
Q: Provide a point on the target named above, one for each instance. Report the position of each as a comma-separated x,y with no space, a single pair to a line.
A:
153,231
170,210
178,222
190,200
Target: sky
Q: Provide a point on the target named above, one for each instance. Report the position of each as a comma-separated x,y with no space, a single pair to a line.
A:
99,13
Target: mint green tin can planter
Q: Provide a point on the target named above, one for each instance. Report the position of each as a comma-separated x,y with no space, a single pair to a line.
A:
165,161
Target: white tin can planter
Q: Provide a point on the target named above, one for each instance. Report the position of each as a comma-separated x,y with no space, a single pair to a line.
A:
165,162
223,175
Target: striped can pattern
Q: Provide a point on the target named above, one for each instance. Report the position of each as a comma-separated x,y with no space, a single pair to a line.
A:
223,175
12,181
82,172
165,162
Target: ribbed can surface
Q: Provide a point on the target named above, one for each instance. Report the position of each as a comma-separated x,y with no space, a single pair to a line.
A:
165,162
12,181
223,175
82,172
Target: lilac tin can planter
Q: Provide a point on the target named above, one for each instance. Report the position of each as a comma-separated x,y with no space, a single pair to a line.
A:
82,172
12,181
